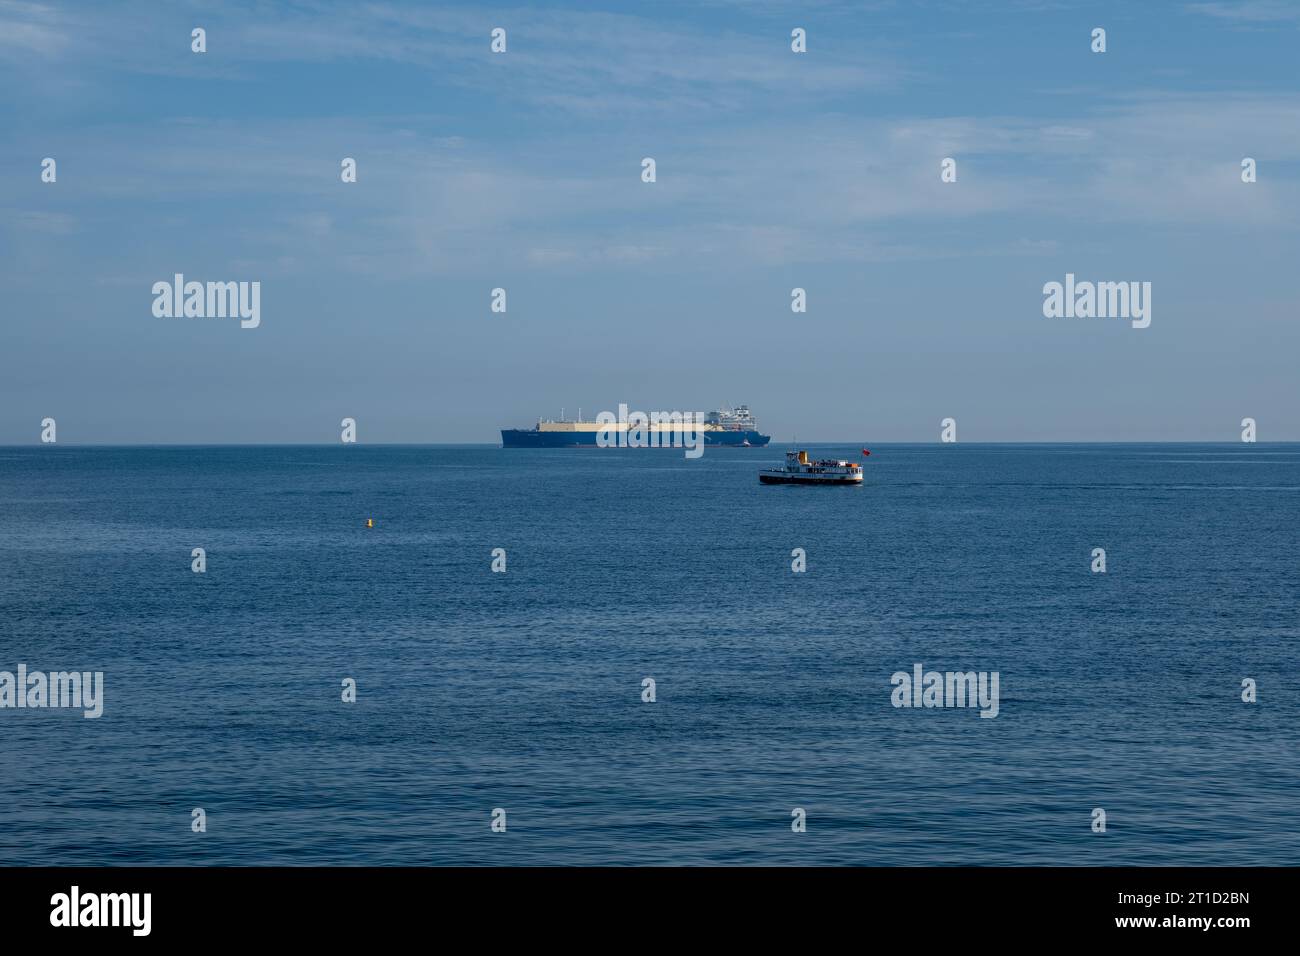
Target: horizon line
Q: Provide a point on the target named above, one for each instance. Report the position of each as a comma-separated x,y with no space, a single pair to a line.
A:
409,444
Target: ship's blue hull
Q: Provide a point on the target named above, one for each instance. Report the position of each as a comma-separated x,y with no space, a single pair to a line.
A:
531,438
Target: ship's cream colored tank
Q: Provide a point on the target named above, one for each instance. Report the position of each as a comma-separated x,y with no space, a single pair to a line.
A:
622,427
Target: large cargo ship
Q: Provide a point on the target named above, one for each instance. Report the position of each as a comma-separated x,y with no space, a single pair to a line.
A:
725,426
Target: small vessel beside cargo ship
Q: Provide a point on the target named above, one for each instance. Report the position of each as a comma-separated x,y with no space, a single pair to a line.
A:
737,429
801,470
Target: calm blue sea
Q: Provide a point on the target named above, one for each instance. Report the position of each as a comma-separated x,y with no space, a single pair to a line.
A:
522,690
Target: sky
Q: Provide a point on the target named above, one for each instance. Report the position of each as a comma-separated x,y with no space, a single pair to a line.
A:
775,170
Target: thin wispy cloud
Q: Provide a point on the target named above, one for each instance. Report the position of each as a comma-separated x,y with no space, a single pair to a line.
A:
1251,11
446,203
586,62
31,29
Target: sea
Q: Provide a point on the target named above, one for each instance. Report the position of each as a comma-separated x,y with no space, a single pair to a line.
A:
520,696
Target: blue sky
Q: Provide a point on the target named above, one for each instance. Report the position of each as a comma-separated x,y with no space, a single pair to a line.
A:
775,170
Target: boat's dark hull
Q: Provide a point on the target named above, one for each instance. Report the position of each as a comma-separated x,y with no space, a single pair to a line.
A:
777,479
532,438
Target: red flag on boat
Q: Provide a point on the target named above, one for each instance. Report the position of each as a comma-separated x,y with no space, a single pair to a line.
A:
865,452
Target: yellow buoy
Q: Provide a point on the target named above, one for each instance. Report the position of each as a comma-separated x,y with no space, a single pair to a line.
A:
370,522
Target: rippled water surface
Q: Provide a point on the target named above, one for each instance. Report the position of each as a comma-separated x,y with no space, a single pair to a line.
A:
523,690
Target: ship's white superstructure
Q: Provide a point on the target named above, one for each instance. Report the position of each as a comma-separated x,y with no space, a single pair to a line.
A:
739,420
